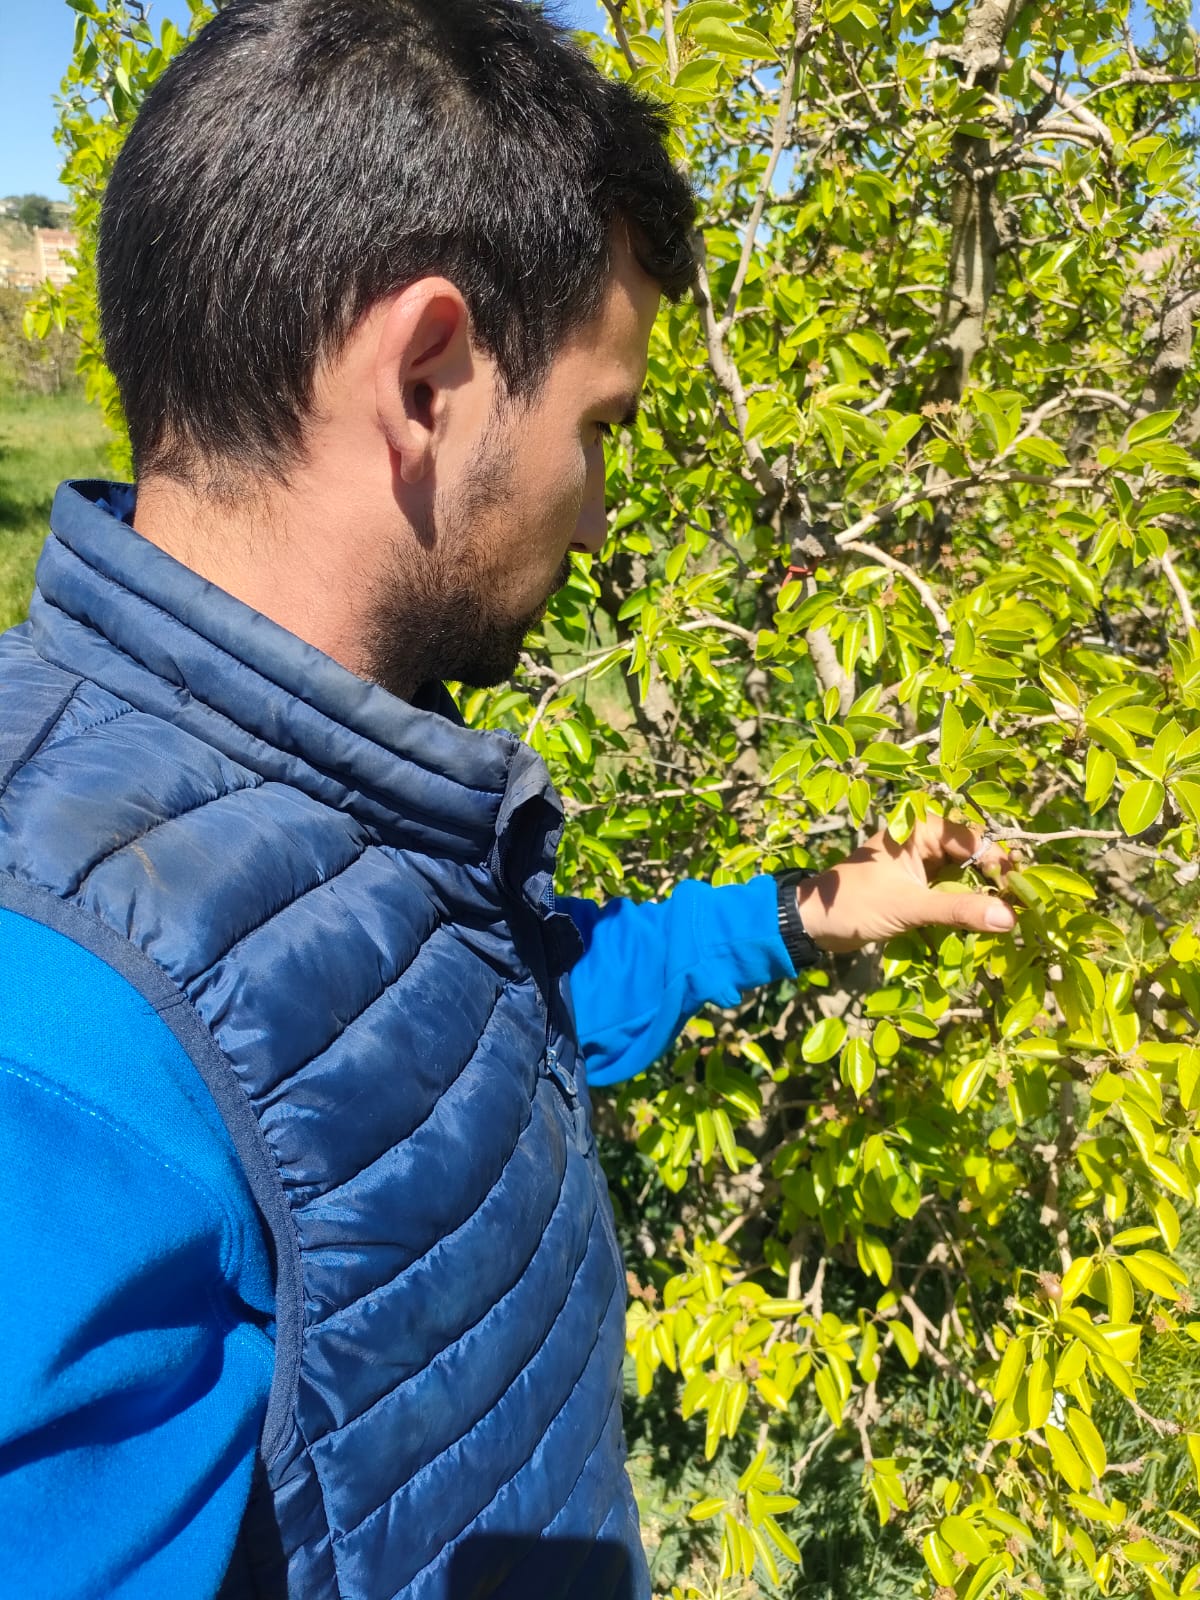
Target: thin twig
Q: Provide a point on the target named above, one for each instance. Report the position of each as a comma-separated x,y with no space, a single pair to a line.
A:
1101,135
669,40
721,624
597,665
656,794
1140,75
1025,835
1171,574
805,1460
614,8
1106,397
725,370
778,140
885,512
928,598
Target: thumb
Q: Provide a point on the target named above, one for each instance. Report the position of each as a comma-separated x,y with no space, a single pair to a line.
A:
976,913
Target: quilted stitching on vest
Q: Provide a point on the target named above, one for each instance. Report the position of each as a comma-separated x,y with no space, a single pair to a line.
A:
353,896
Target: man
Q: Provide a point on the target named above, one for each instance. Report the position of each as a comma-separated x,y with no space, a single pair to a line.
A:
318,1292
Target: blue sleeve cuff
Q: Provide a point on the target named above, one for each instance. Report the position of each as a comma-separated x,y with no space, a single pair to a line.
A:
647,969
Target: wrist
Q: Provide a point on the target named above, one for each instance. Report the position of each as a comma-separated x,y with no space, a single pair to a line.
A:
821,902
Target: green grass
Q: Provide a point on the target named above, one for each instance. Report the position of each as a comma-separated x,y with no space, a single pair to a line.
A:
43,439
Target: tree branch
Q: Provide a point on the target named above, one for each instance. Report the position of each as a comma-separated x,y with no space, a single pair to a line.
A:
614,9
669,41
778,140
927,596
1076,107
725,371
596,665
1171,574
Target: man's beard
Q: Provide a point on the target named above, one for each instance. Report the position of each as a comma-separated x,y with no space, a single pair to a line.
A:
434,614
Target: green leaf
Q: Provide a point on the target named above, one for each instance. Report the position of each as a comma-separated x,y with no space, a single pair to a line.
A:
783,1541
578,740
1044,450
705,10
698,74
1074,1281
1111,735
723,1129
858,1066
1140,805
885,1041
703,1509
827,420
799,755
1011,1369
902,1337
1019,1015
937,1555
1186,794
1066,1459
728,39
988,1577
868,344
1154,1272
1167,1220
835,741
967,1083
1143,1551
1039,1391
829,1395
1023,888
1088,1442
964,1537
1151,427
823,1040
953,735
1060,880
1059,685
1100,773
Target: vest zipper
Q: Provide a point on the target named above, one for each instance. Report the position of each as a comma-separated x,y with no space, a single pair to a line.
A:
562,1079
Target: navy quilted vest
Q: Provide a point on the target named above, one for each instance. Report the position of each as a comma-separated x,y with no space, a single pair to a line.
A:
342,905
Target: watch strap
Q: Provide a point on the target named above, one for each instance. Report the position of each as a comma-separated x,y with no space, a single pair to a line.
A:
802,949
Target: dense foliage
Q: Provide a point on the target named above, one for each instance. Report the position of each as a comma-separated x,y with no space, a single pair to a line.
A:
45,365
909,524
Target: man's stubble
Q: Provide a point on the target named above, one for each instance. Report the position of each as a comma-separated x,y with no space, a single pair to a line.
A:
437,612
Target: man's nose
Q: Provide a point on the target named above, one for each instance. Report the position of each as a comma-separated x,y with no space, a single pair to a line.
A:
592,526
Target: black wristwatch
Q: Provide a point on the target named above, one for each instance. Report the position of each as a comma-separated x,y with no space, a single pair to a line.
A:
802,949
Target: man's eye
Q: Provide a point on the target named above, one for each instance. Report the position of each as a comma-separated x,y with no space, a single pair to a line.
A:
604,430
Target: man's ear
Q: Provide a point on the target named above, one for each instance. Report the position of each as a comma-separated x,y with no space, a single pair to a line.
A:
423,355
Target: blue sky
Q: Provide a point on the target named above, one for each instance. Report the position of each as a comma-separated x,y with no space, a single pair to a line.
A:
35,44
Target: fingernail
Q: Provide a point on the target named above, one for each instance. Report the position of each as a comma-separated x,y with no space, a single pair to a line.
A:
999,916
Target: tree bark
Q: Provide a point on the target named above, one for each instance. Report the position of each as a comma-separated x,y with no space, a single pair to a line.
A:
975,236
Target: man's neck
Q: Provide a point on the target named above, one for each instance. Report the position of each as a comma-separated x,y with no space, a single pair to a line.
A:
278,552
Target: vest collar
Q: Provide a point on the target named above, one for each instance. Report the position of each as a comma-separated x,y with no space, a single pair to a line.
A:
116,609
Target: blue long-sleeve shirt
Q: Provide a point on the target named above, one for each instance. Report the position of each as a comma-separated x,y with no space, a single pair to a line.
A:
136,1344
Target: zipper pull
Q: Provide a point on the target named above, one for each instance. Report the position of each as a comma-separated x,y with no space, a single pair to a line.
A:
555,1070
579,1116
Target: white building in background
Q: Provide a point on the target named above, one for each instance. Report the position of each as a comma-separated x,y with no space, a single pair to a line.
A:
53,247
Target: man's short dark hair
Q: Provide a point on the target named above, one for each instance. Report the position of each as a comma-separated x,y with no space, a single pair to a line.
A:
304,158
